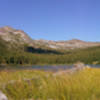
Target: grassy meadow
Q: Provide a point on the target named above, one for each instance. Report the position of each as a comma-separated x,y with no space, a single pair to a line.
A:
40,85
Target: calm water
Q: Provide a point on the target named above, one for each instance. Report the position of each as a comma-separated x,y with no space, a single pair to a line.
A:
47,68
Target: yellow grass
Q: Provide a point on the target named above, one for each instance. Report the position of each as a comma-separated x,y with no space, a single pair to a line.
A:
38,85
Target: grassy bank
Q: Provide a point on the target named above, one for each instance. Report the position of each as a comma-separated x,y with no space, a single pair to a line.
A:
83,85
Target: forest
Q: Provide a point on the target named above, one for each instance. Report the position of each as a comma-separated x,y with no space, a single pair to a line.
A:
26,55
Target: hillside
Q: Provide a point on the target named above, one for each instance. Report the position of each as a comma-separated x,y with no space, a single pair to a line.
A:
70,44
13,35
16,47
16,36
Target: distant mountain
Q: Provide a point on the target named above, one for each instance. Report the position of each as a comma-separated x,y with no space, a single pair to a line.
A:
20,37
71,44
13,35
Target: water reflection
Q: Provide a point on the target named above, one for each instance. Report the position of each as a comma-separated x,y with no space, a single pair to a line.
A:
45,68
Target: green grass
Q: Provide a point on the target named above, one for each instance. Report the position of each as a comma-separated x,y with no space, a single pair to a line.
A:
83,85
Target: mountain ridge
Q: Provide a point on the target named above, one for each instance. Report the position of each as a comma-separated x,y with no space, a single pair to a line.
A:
14,35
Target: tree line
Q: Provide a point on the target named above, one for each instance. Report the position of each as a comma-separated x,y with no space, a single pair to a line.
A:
26,55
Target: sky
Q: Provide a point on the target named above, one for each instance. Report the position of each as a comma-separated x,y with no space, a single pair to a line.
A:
53,19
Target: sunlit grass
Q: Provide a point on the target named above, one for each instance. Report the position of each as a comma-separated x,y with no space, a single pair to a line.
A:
83,85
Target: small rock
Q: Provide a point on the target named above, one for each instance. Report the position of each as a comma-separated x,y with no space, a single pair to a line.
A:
79,66
3,96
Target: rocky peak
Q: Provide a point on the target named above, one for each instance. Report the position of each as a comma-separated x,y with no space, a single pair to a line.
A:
10,34
76,41
7,28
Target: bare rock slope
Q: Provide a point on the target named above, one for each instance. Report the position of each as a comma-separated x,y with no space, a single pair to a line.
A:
10,34
71,44
19,36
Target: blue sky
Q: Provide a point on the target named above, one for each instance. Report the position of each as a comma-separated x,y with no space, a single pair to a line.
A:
53,19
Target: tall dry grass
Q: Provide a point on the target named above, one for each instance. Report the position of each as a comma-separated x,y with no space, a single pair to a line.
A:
38,85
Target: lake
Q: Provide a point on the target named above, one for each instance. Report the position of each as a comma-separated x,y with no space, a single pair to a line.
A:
45,67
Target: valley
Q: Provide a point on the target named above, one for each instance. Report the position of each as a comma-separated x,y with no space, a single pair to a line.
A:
47,70
17,48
